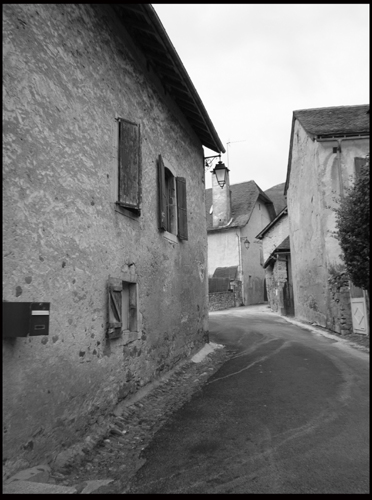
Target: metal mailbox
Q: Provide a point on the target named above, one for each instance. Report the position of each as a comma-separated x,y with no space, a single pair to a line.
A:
25,318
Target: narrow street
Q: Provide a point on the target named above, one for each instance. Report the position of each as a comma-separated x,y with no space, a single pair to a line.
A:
288,413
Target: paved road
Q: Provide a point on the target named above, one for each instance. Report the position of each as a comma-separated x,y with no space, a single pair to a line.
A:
288,413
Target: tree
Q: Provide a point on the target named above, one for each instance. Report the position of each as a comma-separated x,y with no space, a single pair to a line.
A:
352,228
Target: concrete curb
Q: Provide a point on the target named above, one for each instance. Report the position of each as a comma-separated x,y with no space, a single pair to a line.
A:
207,349
324,333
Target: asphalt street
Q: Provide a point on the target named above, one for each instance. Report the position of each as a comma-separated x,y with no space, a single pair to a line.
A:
288,413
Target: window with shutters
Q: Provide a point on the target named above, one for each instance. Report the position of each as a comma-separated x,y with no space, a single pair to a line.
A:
172,202
129,171
122,310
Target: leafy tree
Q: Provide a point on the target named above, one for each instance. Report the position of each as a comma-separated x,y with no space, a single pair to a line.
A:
352,228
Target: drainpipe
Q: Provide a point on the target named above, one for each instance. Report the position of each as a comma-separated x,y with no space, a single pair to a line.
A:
340,182
339,140
241,275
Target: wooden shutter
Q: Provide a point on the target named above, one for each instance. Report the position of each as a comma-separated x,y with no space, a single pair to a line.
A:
115,287
129,165
358,164
163,217
181,208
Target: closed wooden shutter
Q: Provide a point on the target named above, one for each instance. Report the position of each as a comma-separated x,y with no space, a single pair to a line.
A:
358,164
163,217
181,208
129,165
115,287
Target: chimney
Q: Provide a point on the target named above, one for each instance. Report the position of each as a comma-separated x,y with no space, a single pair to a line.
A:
221,202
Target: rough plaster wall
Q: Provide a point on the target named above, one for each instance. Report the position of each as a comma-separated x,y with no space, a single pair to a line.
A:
67,74
314,183
275,236
251,259
223,249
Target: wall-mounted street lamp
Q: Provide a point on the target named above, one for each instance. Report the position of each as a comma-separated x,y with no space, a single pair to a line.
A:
246,242
220,170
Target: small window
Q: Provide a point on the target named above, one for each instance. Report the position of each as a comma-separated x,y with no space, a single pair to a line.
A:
129,175
172,202
122,308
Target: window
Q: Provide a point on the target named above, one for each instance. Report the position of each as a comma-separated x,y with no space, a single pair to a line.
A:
129,175
172,202
122,310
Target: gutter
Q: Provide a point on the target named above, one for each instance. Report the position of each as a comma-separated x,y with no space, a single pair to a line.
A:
150,11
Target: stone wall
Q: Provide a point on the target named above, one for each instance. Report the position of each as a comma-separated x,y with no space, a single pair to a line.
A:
340,319
221,300
69,70
276,277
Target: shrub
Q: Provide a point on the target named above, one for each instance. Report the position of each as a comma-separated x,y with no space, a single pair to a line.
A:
352,228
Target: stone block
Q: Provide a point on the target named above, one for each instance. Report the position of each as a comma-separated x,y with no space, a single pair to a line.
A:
29,487
39,474
345,332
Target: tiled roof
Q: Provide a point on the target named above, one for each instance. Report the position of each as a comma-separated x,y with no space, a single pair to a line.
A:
276,195
335,120
226,272
284,245
243,199
272,223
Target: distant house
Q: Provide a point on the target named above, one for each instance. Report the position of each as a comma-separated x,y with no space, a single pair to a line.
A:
104,233
277,264
327,147
235,214
276,195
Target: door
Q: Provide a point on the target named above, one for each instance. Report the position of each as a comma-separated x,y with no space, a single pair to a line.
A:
358,310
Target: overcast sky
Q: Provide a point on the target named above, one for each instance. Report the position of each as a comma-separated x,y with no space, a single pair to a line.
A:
254,64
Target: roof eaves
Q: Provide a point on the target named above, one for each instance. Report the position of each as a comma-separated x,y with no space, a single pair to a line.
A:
272,223
156,31
290,155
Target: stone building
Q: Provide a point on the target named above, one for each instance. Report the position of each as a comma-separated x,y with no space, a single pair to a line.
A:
103,216
277,264
235,214
327,146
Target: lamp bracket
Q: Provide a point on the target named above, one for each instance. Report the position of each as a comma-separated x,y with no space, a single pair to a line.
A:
208,160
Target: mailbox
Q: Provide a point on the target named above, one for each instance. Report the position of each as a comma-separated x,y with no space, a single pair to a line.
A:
25,318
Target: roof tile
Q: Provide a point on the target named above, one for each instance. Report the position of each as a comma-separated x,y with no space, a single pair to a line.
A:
243,199
335,120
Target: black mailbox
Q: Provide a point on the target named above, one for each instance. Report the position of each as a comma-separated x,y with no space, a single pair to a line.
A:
25,318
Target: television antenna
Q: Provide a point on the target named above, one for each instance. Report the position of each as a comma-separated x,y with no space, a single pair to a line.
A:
227,149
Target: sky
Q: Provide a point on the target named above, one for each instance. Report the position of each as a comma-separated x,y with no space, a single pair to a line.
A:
254,64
